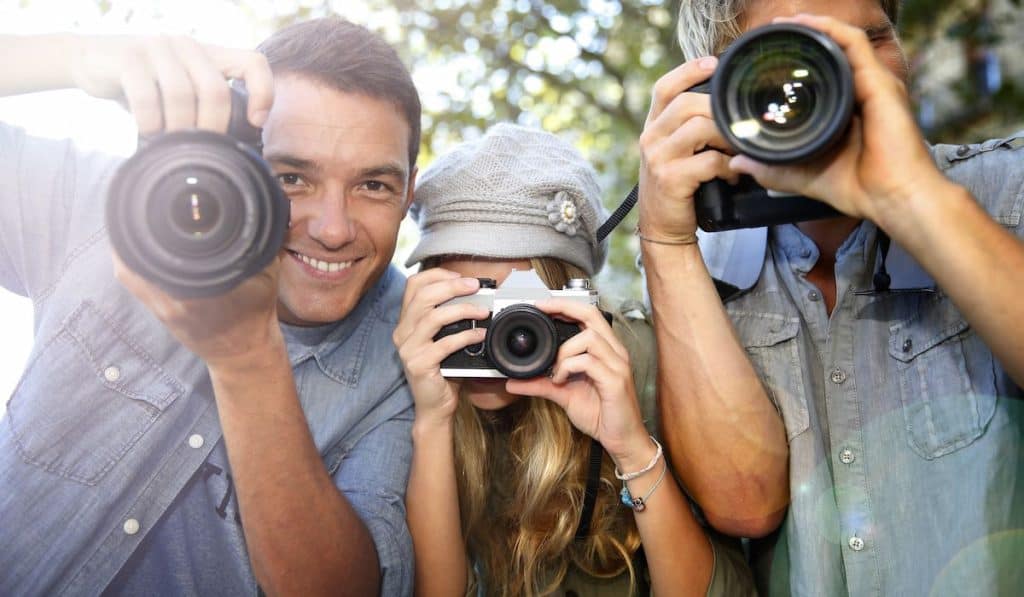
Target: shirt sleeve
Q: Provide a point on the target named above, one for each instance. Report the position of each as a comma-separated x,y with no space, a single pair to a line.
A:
45,186
373,477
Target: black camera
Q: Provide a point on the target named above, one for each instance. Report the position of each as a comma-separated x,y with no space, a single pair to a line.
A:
781,94
197,212
522,341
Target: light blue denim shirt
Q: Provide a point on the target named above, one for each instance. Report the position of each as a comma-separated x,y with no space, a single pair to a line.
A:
113,425
906,459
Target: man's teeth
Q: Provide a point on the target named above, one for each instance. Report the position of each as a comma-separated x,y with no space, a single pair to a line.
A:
323,266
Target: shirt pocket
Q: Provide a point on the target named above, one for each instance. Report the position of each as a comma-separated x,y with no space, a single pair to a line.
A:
772,346
86,398
946,376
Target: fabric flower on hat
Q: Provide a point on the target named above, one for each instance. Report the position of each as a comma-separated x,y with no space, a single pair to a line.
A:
563,214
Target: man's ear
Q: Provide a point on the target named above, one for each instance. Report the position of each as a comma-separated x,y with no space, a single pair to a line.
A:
410,189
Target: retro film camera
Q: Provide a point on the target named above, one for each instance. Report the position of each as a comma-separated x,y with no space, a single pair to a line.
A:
522,341
197,212
782,94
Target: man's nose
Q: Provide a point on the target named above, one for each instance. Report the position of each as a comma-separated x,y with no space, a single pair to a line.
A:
331,222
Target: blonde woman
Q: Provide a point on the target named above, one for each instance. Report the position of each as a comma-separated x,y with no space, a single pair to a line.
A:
500,467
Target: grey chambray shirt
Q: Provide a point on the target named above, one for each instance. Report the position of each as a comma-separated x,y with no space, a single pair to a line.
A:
906,459
111,447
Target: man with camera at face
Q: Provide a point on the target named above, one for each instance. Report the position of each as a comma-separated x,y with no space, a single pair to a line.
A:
254,437
884,338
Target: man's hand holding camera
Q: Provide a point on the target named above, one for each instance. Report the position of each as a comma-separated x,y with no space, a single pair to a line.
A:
883,163
171,83
680,148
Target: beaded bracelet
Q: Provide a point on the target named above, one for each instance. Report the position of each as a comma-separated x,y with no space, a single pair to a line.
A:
639,504
646,469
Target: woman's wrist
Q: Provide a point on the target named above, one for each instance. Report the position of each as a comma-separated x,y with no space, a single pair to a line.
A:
427,424
637,455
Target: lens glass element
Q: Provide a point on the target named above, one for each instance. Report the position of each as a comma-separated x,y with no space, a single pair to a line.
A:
521,342
195,213
780,97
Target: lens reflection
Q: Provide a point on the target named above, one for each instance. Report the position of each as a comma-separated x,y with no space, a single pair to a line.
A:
195,213
521,342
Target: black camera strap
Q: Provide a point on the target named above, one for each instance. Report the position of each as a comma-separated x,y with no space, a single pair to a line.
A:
619,214
590,497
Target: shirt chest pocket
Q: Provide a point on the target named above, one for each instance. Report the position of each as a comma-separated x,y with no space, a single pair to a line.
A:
774,350
86,398
946,376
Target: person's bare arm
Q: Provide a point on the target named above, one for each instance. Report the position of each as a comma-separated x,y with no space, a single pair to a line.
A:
726,440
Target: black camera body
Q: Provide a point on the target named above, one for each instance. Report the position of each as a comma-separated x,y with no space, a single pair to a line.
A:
522,341
782,94
197,212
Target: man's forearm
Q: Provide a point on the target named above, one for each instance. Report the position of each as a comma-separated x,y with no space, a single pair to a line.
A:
727,441
30,63
302,534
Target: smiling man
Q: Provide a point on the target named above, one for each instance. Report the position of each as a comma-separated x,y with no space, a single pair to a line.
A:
254,440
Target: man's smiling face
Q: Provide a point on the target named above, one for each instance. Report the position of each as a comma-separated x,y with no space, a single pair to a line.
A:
343,160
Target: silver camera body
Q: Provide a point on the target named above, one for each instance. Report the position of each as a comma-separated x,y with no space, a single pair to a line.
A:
522,341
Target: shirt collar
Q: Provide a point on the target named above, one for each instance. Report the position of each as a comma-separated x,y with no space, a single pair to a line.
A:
320,341
737,256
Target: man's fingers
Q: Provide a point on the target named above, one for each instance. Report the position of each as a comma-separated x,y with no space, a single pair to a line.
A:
213,105
143,96
251,67
680,110
677,81
176,92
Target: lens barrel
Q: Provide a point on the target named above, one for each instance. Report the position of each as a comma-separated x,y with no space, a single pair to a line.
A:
783,93
196,213
522,341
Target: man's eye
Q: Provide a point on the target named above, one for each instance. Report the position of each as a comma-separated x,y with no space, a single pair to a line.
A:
290,180
376,186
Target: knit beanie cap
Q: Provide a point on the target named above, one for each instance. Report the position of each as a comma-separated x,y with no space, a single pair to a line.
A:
515,193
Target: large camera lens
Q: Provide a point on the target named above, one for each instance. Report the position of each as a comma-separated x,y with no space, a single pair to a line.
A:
196,213
783,93
521,341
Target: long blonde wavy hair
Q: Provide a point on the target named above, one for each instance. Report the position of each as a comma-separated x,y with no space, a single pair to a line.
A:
521,487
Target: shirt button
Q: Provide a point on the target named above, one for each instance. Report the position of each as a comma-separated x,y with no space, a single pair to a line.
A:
195,441
908,345
838,376
814,295
846,456
805,253
963,150
131,526
856,543
112,373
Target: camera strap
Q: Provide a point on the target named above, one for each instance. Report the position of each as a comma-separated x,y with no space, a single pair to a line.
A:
619,214
590,497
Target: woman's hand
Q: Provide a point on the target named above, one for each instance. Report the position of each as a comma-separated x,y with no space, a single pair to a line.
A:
592,380
436,397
